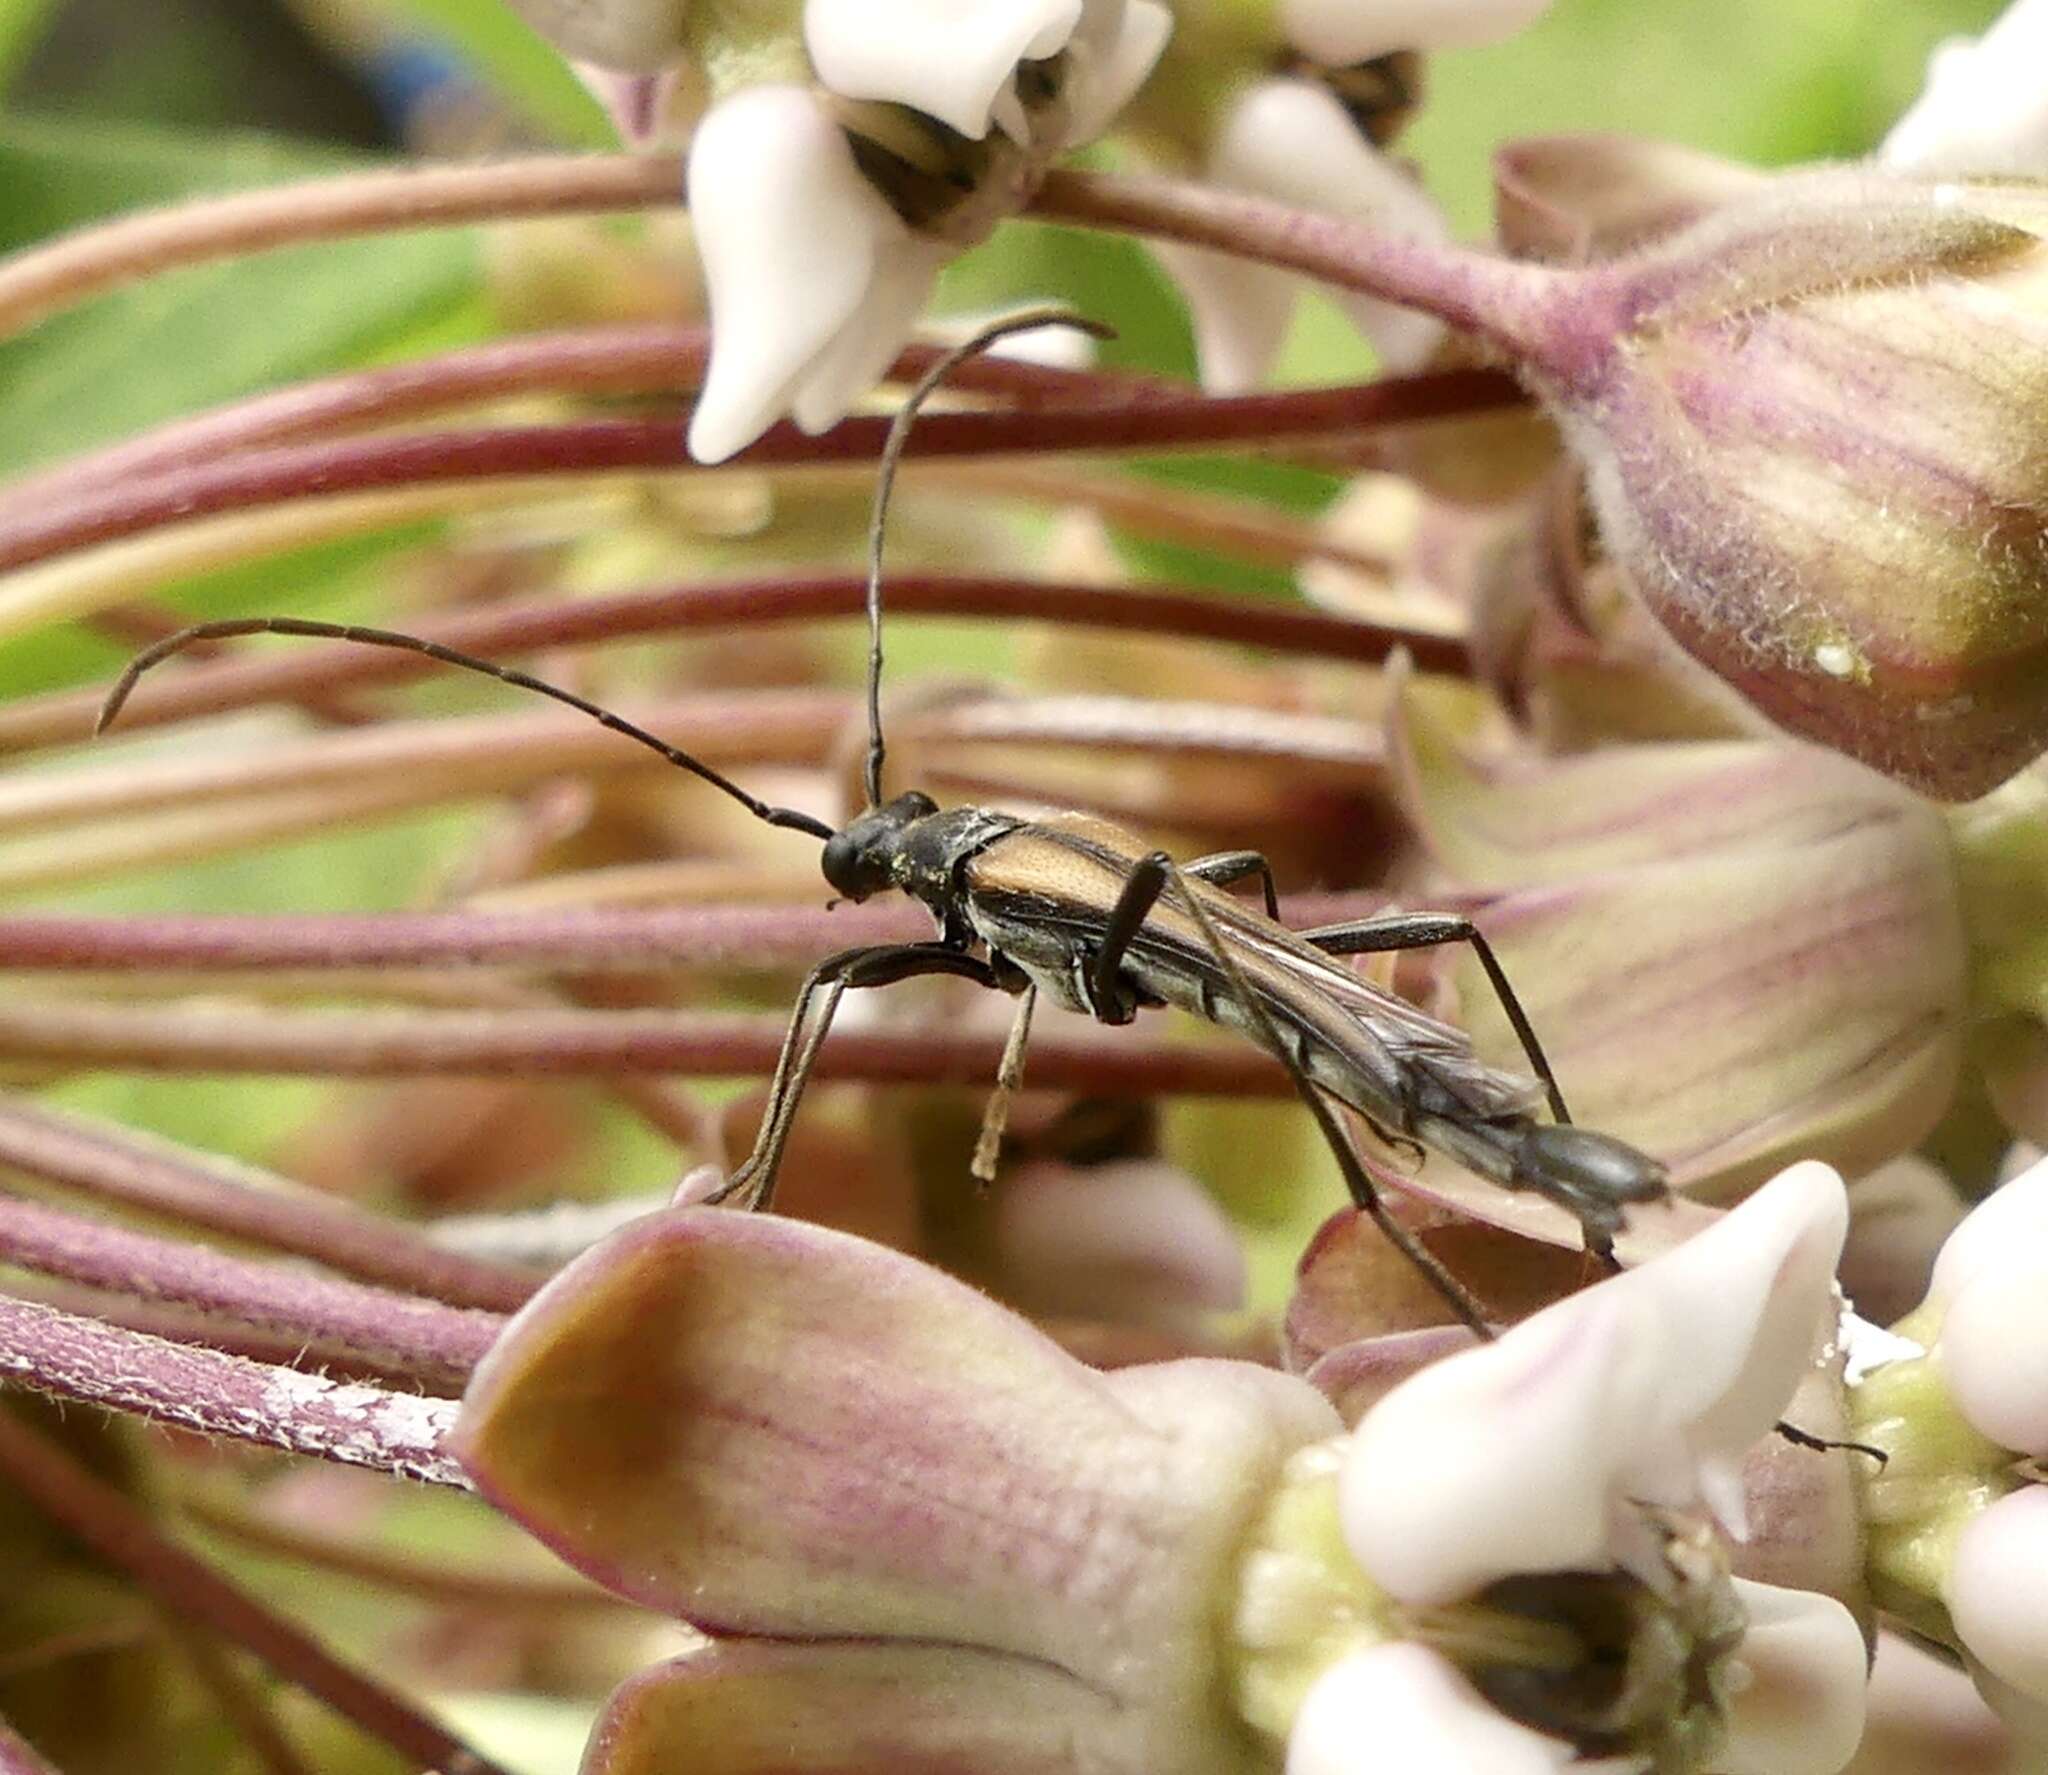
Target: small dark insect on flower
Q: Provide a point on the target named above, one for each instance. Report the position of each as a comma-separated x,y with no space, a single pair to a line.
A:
1084,912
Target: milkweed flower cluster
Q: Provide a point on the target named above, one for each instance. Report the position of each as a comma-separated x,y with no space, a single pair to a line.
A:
914,1530
1958,1400
845,154
841,160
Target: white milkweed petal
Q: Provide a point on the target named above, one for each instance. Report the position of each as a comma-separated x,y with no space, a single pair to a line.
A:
950,59
2013,1218
1108,71
1522,1455
1239,309
791,237
1292,140
866,346
1797,1695
1403,1707
1996,1581
1499,1459
1993,1351
1985,105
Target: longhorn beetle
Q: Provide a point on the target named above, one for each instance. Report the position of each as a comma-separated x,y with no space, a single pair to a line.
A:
1085,913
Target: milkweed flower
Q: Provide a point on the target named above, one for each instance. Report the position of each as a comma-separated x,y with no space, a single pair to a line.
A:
1985,106
825,209
846,155
1960,1517
1311,136
919,1534
1292,139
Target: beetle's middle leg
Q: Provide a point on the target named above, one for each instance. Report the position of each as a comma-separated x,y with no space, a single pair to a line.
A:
1109,999
1429,930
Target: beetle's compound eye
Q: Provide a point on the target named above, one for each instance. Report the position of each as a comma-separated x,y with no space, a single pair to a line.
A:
852,864
848,867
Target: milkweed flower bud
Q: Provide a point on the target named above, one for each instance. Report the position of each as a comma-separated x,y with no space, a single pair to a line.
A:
1740,951
1959,1547
1812,430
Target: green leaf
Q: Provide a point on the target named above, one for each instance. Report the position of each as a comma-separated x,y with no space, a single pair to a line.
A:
192,338
21,29
520,65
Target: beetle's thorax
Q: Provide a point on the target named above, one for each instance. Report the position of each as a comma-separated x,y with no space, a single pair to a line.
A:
912,844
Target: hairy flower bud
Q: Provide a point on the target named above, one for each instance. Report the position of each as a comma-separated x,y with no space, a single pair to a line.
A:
1739,951
1812,429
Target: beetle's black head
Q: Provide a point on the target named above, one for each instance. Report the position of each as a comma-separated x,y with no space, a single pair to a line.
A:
859,859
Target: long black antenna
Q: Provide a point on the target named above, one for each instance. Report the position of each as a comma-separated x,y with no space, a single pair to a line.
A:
230,627
1025,321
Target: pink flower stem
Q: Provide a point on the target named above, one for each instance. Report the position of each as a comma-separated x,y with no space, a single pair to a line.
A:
45,280
266,477
285,673
574,940
68,1356
193,1591
418,762
435,1343
182,1325
1508,304
200,1190
601,362
574,1044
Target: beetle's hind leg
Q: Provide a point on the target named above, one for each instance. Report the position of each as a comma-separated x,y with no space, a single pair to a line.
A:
1357,1180
1227,867
752,1184
1430,930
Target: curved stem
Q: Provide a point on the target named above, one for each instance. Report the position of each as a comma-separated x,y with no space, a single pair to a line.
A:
328,467
285,674
116,1164
215,1394
439,1581
433,1342
1508,304
567,940
571,1044
412,763
597,362
44,280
